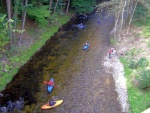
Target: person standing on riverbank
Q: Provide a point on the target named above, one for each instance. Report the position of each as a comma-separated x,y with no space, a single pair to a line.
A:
110,53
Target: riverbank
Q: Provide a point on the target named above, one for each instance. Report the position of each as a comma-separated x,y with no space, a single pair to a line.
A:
133,53
34,38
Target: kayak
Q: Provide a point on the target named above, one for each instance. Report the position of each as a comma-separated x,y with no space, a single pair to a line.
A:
50,87
47,106
81,26
85,47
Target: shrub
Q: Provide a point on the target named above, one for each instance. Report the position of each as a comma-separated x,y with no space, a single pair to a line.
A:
133,65
143,62
113,41
40,15
4,37
144,79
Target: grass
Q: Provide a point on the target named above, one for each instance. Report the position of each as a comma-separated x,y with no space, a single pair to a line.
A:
146,32
113,41
23,57
139,100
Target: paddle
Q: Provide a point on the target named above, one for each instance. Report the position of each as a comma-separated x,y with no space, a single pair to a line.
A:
50,84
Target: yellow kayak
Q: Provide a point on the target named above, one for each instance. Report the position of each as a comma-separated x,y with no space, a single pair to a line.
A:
47,106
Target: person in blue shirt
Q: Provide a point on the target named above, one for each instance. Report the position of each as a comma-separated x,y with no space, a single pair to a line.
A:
52,102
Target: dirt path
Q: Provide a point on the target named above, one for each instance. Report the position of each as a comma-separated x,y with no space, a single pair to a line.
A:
90,89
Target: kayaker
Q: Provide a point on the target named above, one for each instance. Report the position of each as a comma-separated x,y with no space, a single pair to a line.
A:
52,102
98,21
86,43
51,83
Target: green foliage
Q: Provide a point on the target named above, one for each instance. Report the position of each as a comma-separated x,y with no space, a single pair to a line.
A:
126,66
1,67
138,100
14,59
39,14
60,7
53,18
144,79
113,41
142,63
4,37
146,30
133,65
83,6
8,67
141,15
140,12
132,52
149,44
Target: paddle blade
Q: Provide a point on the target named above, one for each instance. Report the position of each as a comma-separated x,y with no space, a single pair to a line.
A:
45,82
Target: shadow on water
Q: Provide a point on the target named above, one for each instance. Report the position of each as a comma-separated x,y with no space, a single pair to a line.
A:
28,82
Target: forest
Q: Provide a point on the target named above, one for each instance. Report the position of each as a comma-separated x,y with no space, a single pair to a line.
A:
26,25
45,16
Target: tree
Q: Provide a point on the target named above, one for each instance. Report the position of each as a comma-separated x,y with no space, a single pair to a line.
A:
68,3
56,6
131,17
16,7
50,4
23,20
9,18
123,10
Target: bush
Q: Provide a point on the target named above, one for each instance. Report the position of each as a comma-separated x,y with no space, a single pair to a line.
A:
4,36
133,65
40,15
143,62
144,79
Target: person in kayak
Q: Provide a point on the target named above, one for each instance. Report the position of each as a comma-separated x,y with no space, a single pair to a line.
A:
98,21
52,102
51,83
86,43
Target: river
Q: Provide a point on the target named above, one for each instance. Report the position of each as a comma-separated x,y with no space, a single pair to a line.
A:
82,82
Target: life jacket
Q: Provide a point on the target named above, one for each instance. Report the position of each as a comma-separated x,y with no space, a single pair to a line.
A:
51,83
110,51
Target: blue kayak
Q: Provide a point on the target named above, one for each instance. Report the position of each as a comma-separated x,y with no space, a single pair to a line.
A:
81,26
85,47
49,87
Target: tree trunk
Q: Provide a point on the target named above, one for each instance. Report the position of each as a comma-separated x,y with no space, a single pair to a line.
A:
67,7
11,8
9,17
23,22
55,6
50,5
15,17
116,24
132,16
122,18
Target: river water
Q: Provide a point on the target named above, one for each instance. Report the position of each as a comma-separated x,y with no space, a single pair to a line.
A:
82,82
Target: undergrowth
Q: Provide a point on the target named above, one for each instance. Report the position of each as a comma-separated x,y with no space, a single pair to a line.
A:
19,59
138,89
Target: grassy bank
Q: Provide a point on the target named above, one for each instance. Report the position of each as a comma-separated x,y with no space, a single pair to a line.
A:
137,71
24,54
139,100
